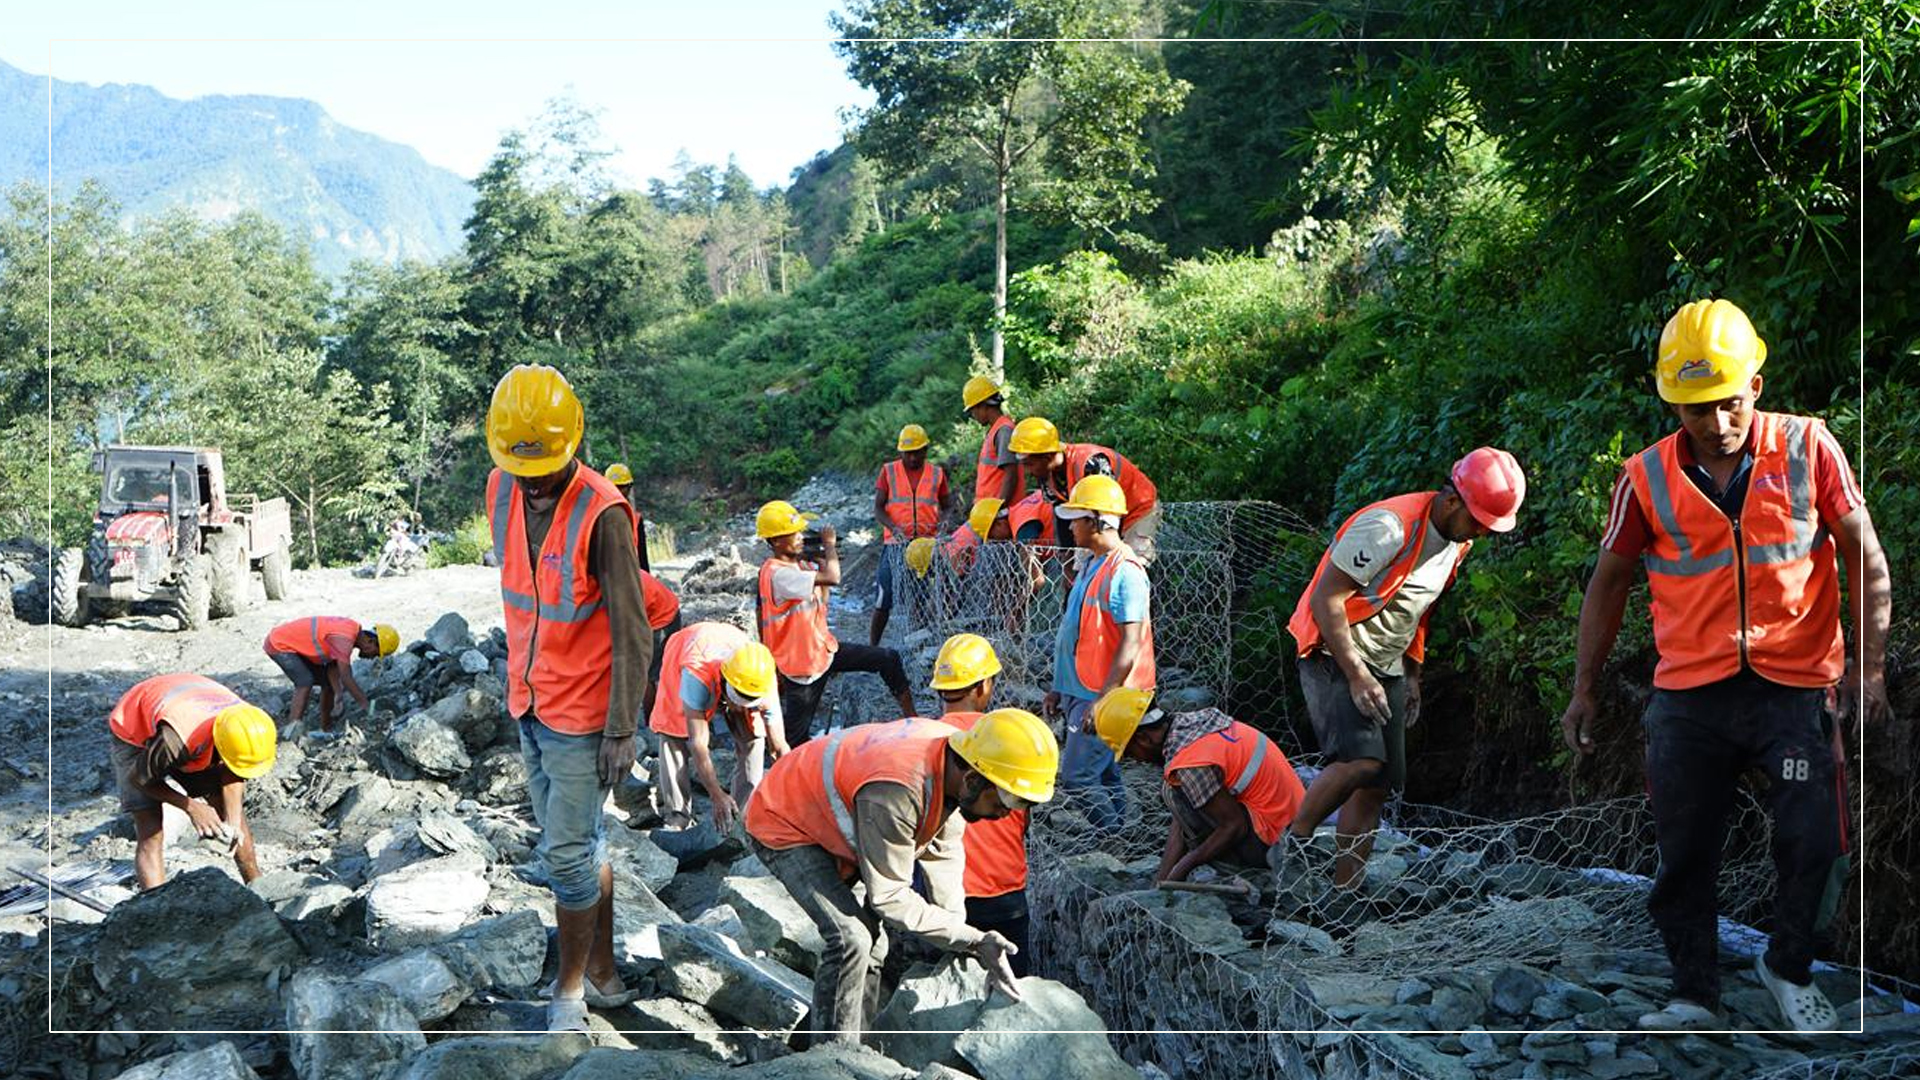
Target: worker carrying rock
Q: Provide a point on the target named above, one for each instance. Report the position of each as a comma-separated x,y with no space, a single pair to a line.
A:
578,651
188,742
319,650
910,499
1735,517
997,473
621,478
868,804
791,610
1361,632
1060,467
1231,790
1105,642
712,671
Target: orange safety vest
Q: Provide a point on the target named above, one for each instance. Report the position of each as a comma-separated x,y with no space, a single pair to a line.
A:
806,797
1257,773
307,637
1368,600
1140,492
187,703
1764,593
795,630
662,605
1099,639
559,642
913,509
987,477
699,649
997,848
1034,507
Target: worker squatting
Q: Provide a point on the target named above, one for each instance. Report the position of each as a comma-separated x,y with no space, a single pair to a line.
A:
1738,518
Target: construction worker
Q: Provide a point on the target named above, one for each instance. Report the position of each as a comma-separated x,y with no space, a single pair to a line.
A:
319,649
1361,633
995,878
910,499
792,613
1061,466
1032,520
711,670
997,473
1231,790
663,618
1105,642
621,478
187,742
869,804
578,650
1736,517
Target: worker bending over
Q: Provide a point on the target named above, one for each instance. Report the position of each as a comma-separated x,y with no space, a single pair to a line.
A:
1061,466
711,670
319,650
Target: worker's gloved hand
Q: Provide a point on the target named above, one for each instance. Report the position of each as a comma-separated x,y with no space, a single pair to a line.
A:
206,821
994,952
617,753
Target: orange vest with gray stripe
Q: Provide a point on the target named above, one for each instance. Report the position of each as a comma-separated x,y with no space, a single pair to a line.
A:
988,477
1257,775
795,631
806,797
1099,641
559,642
1763,591
307,637
913,508
1366,601
996,847
698,650
186,703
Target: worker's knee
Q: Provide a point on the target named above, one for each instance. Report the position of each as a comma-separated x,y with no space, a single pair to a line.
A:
1366,774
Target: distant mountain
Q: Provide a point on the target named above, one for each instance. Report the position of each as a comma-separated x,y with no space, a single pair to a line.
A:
350,194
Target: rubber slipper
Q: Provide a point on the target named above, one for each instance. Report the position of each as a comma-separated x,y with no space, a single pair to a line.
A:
1680,1015
601,997
1805,1008
567,1014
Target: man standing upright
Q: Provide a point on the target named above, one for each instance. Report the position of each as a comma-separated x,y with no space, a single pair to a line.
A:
997,473
1735,518
578,651
621,478
910,497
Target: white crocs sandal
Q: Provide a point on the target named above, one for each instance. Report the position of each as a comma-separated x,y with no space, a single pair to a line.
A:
1805,1008
1680,1014
567,1014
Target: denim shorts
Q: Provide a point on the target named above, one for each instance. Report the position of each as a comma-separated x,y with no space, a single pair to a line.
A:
891,564
563,782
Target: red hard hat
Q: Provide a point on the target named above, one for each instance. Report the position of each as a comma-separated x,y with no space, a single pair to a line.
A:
1491,484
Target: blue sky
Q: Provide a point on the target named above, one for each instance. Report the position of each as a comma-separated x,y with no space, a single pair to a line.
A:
755,78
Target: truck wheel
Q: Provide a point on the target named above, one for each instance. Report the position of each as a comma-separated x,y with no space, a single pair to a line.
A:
194,592
232,577
69,589
274,569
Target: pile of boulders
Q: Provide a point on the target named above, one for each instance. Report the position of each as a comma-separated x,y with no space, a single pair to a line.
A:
23,581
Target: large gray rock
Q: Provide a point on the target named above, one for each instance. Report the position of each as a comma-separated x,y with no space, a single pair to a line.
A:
431,835
1514,989
348,1029
430,746
932,1005
427,984
504,953
669,1024
198,947
473,714
363,804
638,853
449,634
419,904
498,1057
607,1063
774,922
217,1062
835,1061
322,901
700,966
1001,1042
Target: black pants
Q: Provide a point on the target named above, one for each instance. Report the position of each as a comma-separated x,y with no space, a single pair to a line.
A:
1699,742
1006,913
799,701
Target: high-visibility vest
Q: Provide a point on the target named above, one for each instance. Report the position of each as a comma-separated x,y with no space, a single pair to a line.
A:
1369,599
697,650
806,797
1035,507
795,630
988,477
308,636
1255,771
962,549
913,509
186,703
661,604
559,642
1139,490
1099,639
1765,592
997,847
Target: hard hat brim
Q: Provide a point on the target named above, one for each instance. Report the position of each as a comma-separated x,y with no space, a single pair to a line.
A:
250,772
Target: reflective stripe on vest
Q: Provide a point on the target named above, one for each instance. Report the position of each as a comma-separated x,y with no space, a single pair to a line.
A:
699,649
802,802
1099,641
563,608
1270,806
800,649
135,719
987,476
905,510
1239,785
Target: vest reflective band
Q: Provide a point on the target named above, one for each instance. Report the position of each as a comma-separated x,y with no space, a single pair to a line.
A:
308,637
1766,592
795,630
806,797
559,642
184,702
913,509
1366,602
1140,492
996,848
662,605
1257,773
698,650
1099,639
988,477
1034,507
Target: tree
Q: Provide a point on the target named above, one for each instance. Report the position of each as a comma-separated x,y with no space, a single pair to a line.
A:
1076,107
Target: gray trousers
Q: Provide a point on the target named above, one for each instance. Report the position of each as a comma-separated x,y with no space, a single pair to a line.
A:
846,986
673,788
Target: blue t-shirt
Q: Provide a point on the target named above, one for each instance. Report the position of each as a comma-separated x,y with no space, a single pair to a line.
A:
694,694
1128,597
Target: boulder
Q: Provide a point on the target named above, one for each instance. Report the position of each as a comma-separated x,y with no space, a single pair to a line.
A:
773,921
1001,1042
637,852
499,777
607,1063
474,662
430,746
1514,989
421,903
199,946
430,987
322,901
217,1062
363,803
723,920
504,953
1300,936
431,835
498,1057
377,1034
832,1061
669,1024
702,967
475,715
933,1003
449,634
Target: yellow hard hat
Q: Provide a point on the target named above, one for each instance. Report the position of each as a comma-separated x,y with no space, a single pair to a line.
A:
912,437
1034,435
778,518
389,638
963,661
535,422
920,555
245,739
980,518
1014,750
1098,495
1117,715
618,473
978,389
1708,351
750,670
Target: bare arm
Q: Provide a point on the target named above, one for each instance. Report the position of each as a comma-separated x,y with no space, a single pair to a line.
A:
1170,855
1600,614
1229,828
829,571
1870,596
698,737
343,676
880,511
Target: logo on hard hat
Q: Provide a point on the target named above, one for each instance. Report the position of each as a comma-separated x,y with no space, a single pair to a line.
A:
1695,369
529,449
945,671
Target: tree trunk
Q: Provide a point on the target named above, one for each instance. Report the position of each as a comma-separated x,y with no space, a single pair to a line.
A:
313,530
997,371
